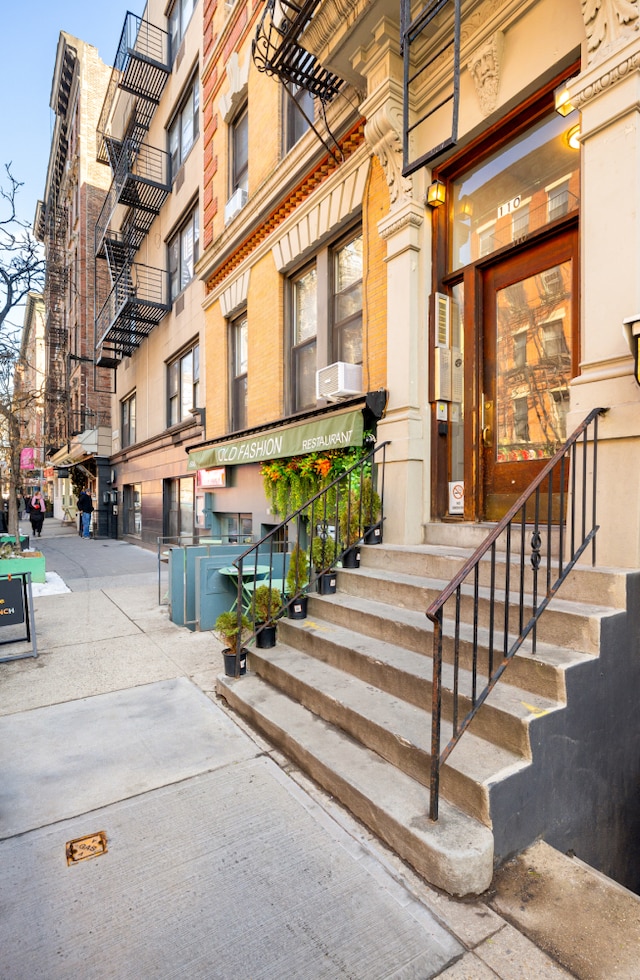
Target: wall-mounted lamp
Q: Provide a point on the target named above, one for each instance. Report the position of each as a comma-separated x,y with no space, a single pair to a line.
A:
573,136
436,194
562,98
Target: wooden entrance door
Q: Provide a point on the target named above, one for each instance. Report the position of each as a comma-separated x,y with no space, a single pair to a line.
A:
530,342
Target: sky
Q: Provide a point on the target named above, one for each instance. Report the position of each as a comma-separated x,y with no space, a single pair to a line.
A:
30,33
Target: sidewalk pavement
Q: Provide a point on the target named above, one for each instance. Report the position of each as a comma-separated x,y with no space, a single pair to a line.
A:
222,860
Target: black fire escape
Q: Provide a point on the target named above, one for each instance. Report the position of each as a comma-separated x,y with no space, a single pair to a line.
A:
56,331
137,294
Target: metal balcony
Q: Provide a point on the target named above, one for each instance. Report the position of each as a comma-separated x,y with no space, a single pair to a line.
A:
141,67
275,50
136,303
140,182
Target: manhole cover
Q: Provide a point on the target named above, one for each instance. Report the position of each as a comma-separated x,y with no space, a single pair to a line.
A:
83,848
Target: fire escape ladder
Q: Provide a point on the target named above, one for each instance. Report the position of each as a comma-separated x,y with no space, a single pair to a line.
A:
138,296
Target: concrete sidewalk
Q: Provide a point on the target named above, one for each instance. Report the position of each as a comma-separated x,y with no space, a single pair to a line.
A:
222,860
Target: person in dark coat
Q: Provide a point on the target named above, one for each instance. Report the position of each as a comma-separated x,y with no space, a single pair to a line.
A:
37,508
85,508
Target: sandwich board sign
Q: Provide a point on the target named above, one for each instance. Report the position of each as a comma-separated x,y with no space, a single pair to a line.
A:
16,614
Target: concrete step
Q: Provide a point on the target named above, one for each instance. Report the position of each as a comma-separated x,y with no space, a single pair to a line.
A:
599,586
542,673
455,854
398,731
504,718
564,623
471,535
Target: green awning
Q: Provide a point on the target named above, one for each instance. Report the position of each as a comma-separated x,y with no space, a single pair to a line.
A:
331,432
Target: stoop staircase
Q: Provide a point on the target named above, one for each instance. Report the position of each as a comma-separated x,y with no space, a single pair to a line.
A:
346,694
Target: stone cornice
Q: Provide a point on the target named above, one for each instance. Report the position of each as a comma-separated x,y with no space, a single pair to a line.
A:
603,75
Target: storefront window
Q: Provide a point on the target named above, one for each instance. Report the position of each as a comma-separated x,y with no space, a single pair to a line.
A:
519,189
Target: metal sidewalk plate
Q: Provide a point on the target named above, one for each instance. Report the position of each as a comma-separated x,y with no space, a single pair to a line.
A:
83,848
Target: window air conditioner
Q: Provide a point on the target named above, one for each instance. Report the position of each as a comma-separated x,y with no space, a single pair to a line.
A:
235,203
339,380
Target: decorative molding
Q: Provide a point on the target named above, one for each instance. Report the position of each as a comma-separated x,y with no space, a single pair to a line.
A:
606,22
235,295
329,22
383,133
484,66
332,206
238,77
323,170
411,218
608,78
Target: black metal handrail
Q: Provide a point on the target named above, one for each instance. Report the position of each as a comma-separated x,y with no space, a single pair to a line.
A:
342,514
559,476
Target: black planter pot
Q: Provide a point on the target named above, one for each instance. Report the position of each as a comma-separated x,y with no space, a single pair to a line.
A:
298,608
230,662
326,583
373,534
351,557
266,638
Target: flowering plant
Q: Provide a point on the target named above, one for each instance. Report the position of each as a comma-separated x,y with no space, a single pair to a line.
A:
289,482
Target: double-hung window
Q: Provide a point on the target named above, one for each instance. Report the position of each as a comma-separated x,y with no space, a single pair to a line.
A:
184,128
183,379
325,317
184,251
178,22
347,301
305,329
128,421
239,147
239,343
299,111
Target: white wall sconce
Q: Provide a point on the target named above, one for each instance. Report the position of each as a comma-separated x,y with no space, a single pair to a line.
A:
573,136
436,194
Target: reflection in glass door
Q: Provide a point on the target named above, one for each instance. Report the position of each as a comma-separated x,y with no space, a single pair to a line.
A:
529,360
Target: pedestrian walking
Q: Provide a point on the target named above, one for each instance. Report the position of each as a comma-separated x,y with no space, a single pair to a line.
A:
85,507
37,508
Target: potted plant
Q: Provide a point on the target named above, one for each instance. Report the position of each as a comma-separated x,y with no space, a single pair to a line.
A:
297,581
323,555
14,561
267,606
226,629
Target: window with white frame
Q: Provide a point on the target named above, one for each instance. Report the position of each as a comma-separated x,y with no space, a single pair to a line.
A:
184,128
304,340
239,338
128,421
347,301
178,22
183,381
239,151
184,251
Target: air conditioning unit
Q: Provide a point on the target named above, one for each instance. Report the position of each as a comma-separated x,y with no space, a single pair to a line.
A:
235,203
339,380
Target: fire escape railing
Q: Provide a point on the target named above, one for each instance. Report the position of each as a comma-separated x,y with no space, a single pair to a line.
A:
140,185
343,514
275,49
567,483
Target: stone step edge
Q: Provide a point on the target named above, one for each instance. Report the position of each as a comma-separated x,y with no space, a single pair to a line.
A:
371,558
507,704
565,606
546,652
454,854
467,777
